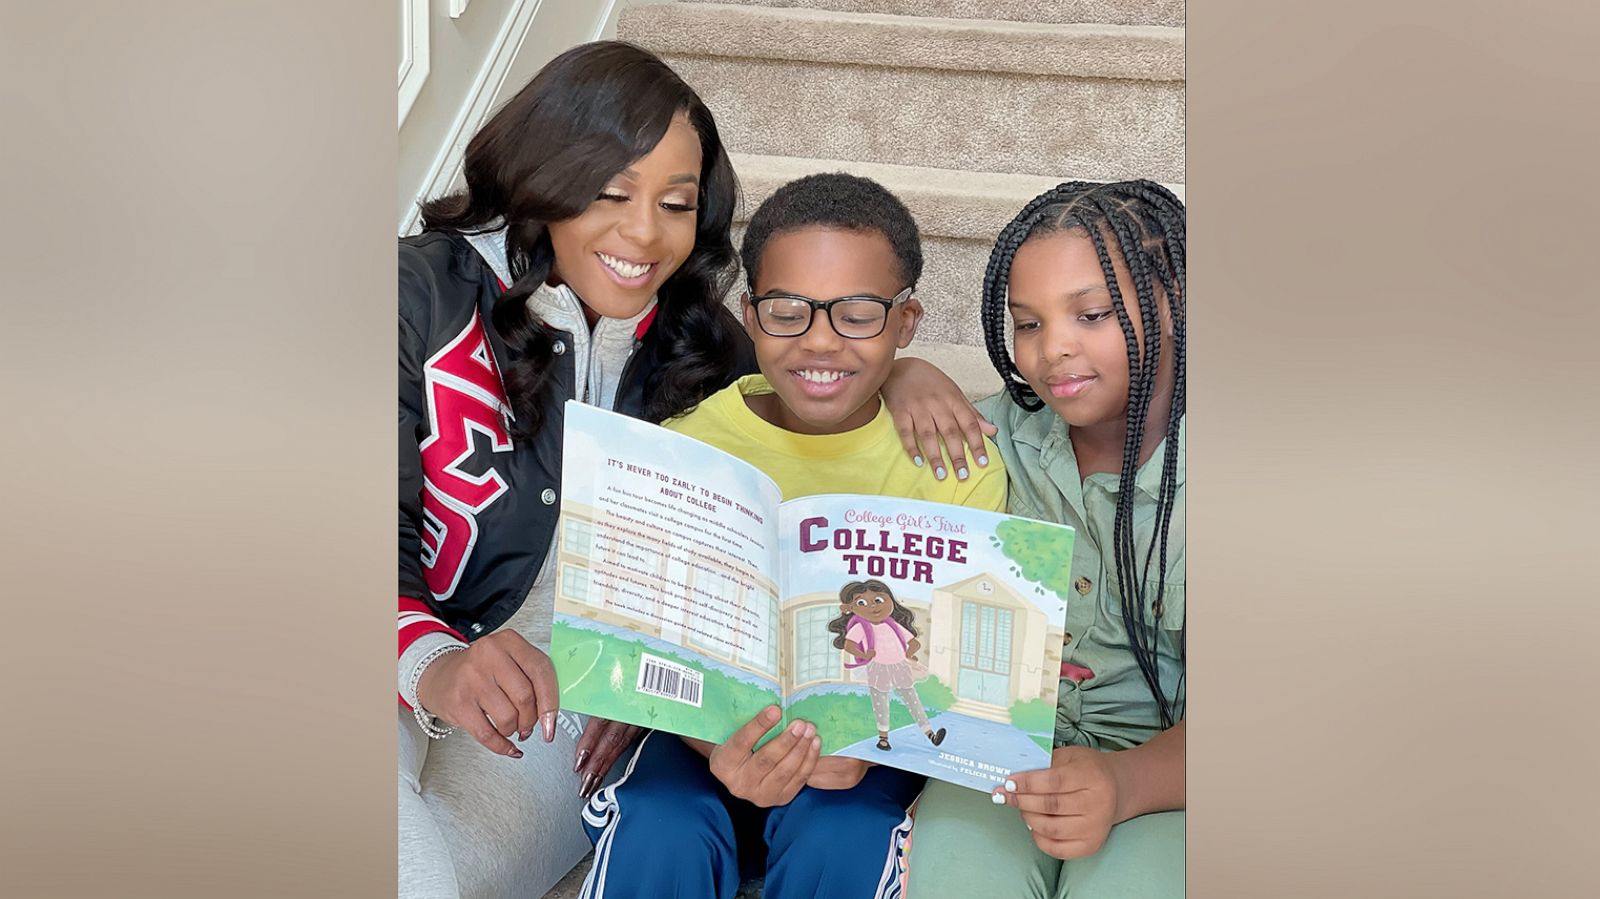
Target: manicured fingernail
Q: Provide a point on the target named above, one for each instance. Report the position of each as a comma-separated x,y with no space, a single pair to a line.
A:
587,788
582,755
523,735
1011,786
961,474
983,460
997,798
917,460
515,753
549,727
939,472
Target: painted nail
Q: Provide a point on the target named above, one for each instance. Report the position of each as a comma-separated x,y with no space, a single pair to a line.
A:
961,474
939,472
1011,786
586,789
549,727
515,753
583,754
917,460
983,460
997,799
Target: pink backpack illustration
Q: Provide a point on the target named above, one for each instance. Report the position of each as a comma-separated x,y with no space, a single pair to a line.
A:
870,640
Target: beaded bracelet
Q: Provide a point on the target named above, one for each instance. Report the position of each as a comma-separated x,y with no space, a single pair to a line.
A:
425,720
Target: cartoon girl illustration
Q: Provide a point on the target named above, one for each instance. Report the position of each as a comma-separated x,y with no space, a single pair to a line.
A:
878,633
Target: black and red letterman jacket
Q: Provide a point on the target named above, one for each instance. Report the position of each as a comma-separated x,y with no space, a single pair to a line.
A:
477,509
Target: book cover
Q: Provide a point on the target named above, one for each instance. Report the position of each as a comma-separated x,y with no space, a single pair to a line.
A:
920,635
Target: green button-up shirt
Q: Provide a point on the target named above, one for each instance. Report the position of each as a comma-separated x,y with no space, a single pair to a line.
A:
1113,708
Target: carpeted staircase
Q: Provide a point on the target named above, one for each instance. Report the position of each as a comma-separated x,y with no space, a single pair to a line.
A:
966,109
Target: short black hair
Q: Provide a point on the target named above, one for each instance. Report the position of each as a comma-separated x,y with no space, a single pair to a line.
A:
834,200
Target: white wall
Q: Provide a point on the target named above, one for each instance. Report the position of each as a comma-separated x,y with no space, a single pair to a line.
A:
477,53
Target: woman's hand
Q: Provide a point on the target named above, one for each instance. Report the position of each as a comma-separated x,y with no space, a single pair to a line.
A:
772,775
598,749
927,406
1070,806
500,686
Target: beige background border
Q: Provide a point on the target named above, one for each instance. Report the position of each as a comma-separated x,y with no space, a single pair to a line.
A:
1394,217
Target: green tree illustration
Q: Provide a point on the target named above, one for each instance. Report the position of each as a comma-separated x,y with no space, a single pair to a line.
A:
935,694
1042,553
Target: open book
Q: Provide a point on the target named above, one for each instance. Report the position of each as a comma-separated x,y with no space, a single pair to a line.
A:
689,597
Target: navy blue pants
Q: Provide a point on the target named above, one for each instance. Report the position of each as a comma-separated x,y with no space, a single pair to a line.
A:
667,827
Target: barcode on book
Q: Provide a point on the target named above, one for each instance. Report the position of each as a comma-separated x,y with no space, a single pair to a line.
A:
669,680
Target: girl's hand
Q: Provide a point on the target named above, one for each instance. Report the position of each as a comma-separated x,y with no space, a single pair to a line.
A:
867,655
836,772
500,686
1071,805
602,742
772,775
926,406
911,649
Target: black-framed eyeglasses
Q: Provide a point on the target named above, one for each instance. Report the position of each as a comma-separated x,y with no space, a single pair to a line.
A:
855,317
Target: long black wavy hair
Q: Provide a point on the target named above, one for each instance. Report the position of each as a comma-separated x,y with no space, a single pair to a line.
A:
1143,223
544,157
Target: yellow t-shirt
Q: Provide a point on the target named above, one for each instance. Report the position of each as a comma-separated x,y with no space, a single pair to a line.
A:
867,460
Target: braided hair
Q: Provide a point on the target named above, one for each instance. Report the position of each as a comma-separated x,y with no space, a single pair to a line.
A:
1142,223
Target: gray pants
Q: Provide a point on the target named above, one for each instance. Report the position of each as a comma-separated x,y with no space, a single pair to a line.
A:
475,824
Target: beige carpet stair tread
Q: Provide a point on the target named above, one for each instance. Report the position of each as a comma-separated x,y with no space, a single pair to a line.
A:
1142,52
1115,12
1098,102
946,202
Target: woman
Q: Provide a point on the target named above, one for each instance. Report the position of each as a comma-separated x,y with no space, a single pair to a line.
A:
586,259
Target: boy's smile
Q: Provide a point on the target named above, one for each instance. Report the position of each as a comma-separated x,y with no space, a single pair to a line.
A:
826,383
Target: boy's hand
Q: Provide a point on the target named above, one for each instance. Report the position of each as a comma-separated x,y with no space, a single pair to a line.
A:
836,772
773,774
927,406
501,686
1071,805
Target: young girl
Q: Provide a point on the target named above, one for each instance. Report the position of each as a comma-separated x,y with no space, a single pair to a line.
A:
1091,431
586,259
877,632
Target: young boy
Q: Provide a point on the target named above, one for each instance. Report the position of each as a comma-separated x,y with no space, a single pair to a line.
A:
832,261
